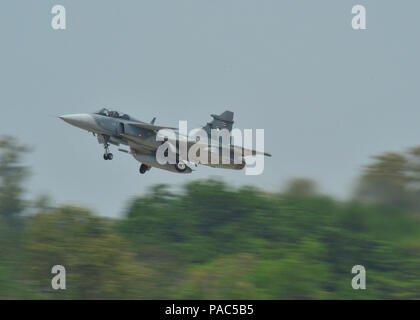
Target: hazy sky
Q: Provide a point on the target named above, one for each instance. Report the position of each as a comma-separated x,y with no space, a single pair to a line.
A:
327,96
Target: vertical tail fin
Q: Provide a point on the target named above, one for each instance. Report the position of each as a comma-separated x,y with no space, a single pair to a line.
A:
221,121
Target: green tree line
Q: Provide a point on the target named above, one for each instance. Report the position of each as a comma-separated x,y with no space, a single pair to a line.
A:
214,241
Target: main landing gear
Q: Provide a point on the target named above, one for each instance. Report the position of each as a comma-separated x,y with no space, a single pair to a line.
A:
180,166
107,155
144,168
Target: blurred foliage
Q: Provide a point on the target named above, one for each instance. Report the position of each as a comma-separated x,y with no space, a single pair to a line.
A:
213,241
301,187
12,174
98,262
393,178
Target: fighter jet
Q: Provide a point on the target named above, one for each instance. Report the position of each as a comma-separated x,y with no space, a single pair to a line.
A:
113,127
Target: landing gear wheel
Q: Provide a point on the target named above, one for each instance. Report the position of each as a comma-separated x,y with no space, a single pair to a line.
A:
107,154
144,168
181,166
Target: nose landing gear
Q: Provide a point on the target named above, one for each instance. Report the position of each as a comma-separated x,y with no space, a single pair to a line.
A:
107,155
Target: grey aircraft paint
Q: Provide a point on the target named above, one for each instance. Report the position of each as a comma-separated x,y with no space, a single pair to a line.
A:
112,127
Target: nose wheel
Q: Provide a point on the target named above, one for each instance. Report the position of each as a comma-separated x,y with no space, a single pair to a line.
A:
107,155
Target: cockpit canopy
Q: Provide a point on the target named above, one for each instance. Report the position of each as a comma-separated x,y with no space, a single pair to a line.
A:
113,114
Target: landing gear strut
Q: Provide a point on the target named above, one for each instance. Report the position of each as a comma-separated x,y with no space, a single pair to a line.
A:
144,168
107,155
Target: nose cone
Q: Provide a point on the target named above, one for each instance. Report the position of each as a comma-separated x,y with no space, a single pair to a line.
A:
83,121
